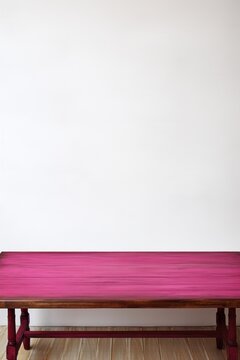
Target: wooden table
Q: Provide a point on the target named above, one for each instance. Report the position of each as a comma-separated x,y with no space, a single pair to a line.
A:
120,280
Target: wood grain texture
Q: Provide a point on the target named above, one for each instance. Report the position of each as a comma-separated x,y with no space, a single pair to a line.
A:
40,348
211,351
104,347
153,349
57,348
119,279
120,347
88,349
3,341
196,349
72,347
136,347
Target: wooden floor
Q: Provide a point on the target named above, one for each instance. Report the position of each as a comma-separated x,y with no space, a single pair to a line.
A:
116,349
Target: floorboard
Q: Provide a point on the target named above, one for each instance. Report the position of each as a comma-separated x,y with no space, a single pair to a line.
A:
116,349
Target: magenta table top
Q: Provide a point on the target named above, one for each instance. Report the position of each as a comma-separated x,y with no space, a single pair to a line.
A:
119,275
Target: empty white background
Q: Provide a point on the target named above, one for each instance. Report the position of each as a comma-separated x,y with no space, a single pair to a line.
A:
119,130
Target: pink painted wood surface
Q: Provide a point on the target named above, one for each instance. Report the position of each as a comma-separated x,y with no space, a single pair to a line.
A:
119,275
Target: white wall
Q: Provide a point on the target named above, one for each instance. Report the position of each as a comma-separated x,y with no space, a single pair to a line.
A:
119,130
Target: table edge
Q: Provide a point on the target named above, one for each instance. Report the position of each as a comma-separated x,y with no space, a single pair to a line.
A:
115,303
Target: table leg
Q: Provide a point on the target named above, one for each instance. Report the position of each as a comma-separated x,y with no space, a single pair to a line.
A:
232,348
221,328
12,343
25,320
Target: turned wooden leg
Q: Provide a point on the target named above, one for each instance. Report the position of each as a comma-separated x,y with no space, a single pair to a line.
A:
25,320
232,349
221,328
12,344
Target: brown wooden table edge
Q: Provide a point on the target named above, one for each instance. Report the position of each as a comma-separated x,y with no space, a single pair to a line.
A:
115,303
